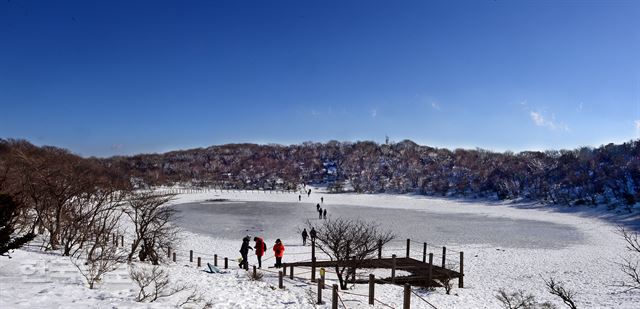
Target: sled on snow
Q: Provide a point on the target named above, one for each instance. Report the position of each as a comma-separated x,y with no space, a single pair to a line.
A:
213,270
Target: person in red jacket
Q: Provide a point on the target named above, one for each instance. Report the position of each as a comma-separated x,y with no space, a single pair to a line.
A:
260,247
278,250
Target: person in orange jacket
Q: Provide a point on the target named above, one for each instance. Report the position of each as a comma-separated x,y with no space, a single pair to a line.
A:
278,250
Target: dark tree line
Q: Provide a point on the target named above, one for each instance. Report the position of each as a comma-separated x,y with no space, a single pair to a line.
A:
608,174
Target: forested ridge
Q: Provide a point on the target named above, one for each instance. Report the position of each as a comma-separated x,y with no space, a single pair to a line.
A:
609,174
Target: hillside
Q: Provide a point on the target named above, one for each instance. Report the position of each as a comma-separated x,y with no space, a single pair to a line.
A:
609,174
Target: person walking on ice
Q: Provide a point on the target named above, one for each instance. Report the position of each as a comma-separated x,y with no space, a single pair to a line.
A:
304,237
278,250
299,197
313,235
319,213
309,193
260,247
324,214
244,251
322,200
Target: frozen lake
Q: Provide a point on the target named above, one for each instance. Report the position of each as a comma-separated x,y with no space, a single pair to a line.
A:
271,220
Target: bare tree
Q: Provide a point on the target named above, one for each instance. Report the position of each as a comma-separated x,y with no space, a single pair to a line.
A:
447,283
99,255
516,300
151,220
557,288
86,211
344,239
630,265
154,283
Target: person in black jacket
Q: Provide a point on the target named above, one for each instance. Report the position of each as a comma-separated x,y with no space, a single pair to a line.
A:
304,237
313,235
244,251
324,214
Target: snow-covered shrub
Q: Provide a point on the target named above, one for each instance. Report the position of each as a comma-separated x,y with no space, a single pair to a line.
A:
96,259
520,300
557,288
154,283
516,300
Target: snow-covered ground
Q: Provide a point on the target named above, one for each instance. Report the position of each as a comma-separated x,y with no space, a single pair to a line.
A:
586,263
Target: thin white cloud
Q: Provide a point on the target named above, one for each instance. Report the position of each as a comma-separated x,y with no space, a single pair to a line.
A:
374,113
637,125
435,105
537,119
580,106
117,146
542,121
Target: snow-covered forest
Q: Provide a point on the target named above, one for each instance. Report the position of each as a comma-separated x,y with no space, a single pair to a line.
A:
609,174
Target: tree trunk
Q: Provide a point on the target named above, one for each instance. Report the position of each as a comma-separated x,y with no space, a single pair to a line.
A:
343,283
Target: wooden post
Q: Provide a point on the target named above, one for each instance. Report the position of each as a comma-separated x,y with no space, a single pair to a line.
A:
379,249
393,268
334,297
121,240
291,272
408,247
226,262
424,252
407,296
190,256
430,276
215,260
199,262
168,252
320,290
313,269
255,272
280,284
461,279
372,284
174,256
284,269
444,255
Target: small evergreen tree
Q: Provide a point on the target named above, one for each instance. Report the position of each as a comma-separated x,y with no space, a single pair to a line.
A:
8,214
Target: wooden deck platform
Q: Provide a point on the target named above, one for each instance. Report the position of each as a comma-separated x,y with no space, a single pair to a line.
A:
419,270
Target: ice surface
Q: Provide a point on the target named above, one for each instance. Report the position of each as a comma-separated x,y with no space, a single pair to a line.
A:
233,220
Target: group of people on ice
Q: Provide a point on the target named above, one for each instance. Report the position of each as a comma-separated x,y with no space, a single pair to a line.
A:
278,248
260,249
322,213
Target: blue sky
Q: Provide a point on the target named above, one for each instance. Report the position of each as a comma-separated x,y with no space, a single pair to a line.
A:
117,77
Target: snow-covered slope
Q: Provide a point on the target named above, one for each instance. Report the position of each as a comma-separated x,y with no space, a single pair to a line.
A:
46,280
